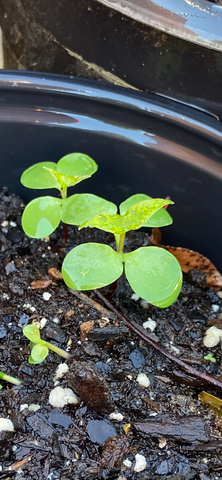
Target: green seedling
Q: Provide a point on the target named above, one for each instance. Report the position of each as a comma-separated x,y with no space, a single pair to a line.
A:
210,358
153,273
8,378
40,348
43,215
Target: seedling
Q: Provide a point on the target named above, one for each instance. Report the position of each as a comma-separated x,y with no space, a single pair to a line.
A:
153,273
40,348
210,358
8,378
43,215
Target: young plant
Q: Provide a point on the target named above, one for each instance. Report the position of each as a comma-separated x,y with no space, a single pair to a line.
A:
8,378
40,348
43,215
153,273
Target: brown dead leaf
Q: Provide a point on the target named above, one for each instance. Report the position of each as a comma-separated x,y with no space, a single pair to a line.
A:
84,329
55,273
188,260
40,284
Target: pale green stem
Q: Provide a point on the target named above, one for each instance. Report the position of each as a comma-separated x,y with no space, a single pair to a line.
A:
64,193
55,349
10,379
121,243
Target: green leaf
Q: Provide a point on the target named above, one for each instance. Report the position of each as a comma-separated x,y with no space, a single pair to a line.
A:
32,333
78,208
42,216
159,219
77,164
134,218
66,181
91,265
39,177
154,274
39,353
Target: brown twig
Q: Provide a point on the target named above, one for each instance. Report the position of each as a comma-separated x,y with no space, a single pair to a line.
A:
136,329
89,301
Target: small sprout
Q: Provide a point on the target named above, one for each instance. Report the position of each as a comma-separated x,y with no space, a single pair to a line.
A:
210,357
40,348
8,378
43,215
153,273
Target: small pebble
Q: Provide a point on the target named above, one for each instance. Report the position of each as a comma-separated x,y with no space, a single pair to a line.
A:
127,463
6,425
219,294
13,224
215,308
23,406
46,296
5,296
212,337
151,324
143,380
43,322
33,309
59,397
5,223
162,442
61,370
144,304
56,320
140,463
116,416
135,297
33,407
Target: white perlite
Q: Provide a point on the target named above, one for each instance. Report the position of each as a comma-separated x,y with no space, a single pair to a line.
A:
59,397
6,425
212,337
135,297
46,296
215,308
140,463
151,324
143,380
127,463
116,416
61,370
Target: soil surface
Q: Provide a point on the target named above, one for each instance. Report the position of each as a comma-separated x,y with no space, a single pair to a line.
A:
165,423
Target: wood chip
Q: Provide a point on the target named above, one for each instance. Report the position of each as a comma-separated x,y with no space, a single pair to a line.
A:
55,273
85,329
40,284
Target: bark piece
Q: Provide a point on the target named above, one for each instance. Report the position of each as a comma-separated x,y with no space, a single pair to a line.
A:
188,428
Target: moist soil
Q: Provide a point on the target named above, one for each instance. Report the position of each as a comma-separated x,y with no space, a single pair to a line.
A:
165,422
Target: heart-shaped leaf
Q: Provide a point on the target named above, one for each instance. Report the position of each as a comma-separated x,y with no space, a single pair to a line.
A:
39,353
154,274
78,208
159,219
134,218
32,333
38,176
42,216
91,265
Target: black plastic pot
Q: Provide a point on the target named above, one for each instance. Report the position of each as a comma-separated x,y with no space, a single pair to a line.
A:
170,47
142,143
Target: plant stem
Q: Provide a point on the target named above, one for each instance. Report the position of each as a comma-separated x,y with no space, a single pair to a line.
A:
10,379
65,226
57,350
136,329
120,245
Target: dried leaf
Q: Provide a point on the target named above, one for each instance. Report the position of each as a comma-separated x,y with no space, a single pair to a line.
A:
40,284
55,274
189,260
214,403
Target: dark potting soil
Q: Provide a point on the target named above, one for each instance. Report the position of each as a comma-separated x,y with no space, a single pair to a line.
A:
165,422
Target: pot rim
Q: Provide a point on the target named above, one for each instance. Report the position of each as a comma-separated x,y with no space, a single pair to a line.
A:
197,21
